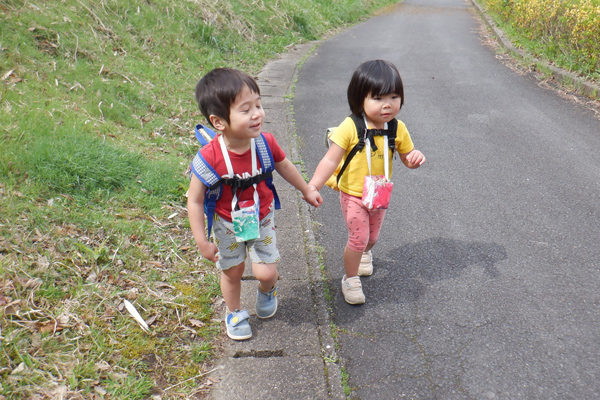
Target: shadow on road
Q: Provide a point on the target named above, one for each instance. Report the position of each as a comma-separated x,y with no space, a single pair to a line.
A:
403,274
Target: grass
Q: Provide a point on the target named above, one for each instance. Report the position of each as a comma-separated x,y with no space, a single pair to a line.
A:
562,32
96,133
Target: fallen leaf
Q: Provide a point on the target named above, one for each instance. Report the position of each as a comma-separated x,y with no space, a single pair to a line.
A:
197,323
12,308
163,285
102,366
100,390
20,368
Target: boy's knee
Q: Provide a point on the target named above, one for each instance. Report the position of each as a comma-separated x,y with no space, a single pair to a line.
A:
265,272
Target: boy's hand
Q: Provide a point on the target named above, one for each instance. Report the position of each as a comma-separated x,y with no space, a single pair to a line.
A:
312,196
209,251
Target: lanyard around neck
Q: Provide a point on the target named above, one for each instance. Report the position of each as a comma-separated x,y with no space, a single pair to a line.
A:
386,156
230,172
244,175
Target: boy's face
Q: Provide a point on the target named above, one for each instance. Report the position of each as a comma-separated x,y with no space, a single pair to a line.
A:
246,116
380,109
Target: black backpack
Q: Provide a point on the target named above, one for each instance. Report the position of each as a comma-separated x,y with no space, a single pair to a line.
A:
363,134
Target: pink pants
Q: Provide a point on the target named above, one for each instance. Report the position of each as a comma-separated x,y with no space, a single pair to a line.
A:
363,225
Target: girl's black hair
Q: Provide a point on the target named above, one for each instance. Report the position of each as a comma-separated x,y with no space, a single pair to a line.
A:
373,78
217,90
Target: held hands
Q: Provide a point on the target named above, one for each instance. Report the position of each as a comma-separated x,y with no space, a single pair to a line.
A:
414,159
312,196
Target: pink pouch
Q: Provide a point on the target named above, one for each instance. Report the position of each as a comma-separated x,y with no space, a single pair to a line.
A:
377,191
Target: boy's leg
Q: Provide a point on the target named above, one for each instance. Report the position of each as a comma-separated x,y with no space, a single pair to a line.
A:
266,294
264,255
231,286
266,274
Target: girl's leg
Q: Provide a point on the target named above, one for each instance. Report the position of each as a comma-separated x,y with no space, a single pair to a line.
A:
351,261
357,222
231,286
375,222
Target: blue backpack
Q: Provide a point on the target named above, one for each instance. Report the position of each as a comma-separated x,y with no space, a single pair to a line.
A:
214,182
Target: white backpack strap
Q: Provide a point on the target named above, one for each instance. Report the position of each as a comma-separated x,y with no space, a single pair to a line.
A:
386,155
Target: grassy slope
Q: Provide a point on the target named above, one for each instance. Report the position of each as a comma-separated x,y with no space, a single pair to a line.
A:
564,33
96,132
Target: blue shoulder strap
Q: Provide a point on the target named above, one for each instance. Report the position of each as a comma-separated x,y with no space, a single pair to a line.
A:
204,134
212,180
268,165
206,173
214,189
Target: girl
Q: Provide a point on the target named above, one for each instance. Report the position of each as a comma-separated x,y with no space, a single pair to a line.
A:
375,95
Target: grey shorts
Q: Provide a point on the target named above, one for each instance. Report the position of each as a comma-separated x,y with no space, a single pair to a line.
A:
232,253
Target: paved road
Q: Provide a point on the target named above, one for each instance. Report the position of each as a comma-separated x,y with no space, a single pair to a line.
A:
486,282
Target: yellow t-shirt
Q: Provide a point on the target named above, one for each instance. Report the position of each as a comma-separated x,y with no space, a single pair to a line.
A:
352,179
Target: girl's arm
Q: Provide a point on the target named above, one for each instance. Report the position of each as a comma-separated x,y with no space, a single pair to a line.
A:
413,159
289,172
327,166
195,207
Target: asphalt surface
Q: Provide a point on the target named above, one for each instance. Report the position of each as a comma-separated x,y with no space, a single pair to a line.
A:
486,282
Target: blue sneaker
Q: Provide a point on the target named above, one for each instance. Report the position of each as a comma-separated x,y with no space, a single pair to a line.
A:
238,327
266,303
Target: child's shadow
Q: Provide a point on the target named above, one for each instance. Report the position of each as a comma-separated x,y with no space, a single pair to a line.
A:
403,274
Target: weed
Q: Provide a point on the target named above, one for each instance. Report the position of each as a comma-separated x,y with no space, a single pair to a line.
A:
564,32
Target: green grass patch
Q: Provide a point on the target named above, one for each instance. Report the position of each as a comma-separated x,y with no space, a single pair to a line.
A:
97,119
562,32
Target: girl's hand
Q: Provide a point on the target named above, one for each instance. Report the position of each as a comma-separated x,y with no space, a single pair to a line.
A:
413,159
312,196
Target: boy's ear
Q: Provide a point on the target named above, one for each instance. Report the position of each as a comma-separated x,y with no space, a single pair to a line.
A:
217,122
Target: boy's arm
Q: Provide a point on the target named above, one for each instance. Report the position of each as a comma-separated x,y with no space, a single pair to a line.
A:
288,171
413,159
195,207
327,166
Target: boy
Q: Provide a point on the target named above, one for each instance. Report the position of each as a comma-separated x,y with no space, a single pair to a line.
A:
230,101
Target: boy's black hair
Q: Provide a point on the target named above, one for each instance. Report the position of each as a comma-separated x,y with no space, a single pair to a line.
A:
217,90
374,78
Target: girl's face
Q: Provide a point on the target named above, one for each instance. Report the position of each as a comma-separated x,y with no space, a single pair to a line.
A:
380,109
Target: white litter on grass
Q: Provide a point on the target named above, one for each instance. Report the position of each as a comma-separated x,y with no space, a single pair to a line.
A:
136,315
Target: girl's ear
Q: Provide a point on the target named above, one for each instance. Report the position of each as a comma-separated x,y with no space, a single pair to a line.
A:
217,122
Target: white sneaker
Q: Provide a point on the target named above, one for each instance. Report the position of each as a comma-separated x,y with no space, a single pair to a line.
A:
366,264
352,290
